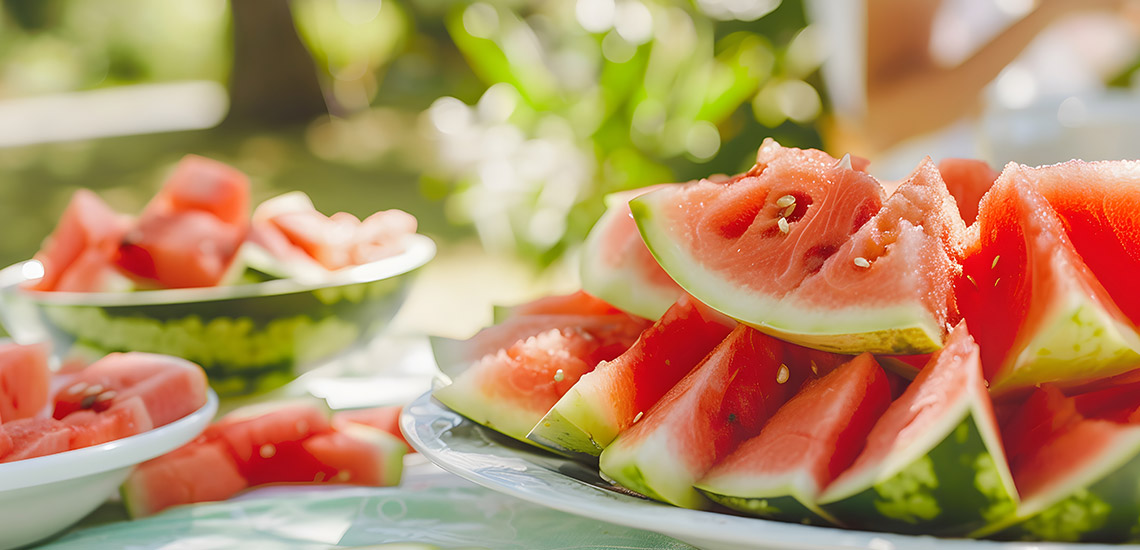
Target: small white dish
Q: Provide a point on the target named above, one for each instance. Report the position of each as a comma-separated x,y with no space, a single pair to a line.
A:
493,461
42,496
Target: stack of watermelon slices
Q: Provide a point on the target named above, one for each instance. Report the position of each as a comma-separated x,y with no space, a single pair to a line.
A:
800,289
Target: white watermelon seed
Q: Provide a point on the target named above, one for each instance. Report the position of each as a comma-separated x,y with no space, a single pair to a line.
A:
862,262
638,417
319,477
559,375
77,387
845,162
814,368
343,475
788,211
785,201
996,281
782,374
972,281
94,390
106,396
302,426
783,224
267,450
996,258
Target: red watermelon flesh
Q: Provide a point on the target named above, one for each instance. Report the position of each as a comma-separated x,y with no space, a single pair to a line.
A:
35,437
171,388
24,380
126,418
723,401
381,236
616,265
78,255
1046,412
808,442
360,455
1048,471
510,390
607,400
909,253
254,435
183,249
382,418
196,472
1039,312
1098,204
206,185
968,180
328,240
575,303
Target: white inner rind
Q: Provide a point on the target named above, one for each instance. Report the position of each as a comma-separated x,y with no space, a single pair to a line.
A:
663,470
905,329
626,288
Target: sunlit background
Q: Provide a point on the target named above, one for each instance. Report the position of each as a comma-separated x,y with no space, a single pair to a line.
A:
499,124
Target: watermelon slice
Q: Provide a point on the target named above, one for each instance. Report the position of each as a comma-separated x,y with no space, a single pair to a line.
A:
933,463
169,387
24,380
616,266
807,443
79,254
723,401
357,454
511,390
787,248
196,472
265,440
1039,312
607,400
205,185
968,180
124,419
34,437
382,418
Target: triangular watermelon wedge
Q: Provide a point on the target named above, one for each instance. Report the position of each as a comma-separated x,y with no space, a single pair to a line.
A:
775,247
1039,312
933,463
811,439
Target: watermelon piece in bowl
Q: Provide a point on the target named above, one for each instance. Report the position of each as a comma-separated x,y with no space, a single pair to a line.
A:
817,434
79,254
615,265
720,403
804,248
934,462
1040,313
25,379
609,399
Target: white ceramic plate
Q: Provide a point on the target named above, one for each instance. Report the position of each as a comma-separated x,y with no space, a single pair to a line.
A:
498,463
42,496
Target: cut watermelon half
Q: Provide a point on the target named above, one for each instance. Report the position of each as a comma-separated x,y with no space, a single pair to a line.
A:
616,266
803,248
807,443
723,401
933,463
1039,312
607,400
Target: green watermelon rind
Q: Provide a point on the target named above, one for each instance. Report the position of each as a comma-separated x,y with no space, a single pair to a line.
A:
790,502
632,467
621,288
487,411
1080,340
245,344
391,448
953,480
574,427
1099,504
907,329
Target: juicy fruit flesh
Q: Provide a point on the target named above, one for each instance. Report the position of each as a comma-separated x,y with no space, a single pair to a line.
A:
34,437
24,380
170,387
968,180
88,234
720,403
809,440
607,400
194,473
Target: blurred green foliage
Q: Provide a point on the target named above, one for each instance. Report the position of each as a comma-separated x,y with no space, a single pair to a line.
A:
520,115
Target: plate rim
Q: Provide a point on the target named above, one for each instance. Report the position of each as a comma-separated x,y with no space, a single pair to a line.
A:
418,418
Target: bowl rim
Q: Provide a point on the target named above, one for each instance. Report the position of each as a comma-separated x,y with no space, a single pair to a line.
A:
419,250
112,455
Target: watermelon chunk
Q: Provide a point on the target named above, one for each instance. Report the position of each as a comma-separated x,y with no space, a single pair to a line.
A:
265,441
774,247
79,254
968,180
807,443
720,403
382,418
616,266
1040,313
124,419
606,401
933,463
357,454
170,387
511,390
196,472
34,437
24,380
204,185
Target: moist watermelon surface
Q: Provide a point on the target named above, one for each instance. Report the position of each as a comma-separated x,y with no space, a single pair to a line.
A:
25,380
616,266
723,401
170,388
78,256
749,246
779,473
968,180
1040,313
934,462
608,399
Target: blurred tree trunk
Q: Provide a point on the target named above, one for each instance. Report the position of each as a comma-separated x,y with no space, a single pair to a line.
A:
274,81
